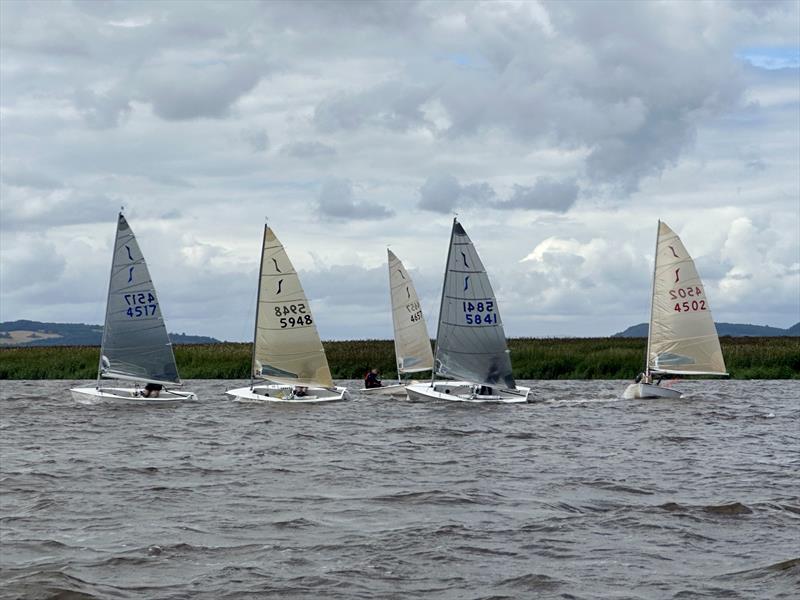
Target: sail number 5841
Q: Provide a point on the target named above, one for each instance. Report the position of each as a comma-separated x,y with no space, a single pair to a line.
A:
479,313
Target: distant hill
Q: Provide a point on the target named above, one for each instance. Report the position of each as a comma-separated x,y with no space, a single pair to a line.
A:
36,333
732,329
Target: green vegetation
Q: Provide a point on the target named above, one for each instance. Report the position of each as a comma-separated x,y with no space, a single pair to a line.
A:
582,358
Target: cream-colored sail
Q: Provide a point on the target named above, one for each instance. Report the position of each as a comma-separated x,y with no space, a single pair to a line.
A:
287,345
683,338
412,346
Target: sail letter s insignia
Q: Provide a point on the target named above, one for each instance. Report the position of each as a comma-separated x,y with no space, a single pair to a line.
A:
130,274
409,293
466,283
401,273
129,252
276,266
280,282
675,254
677,276
464,256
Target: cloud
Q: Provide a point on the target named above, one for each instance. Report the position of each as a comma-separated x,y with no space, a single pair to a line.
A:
102,110
443,193
257,139
546,194
310,150
27,178
336,200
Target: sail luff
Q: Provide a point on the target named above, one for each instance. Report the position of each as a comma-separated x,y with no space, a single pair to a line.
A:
253,374
441,301
652,299
108,303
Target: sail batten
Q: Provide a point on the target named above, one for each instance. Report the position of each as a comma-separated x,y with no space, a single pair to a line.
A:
470,341
682,337
287,348
412,345
135,346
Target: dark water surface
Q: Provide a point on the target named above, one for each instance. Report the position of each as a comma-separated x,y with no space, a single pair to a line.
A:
584,496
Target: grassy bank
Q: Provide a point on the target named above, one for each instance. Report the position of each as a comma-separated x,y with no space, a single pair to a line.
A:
583,358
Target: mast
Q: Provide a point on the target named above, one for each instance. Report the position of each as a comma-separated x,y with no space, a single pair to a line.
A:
258,305
652,299
108,298
391,311
441,302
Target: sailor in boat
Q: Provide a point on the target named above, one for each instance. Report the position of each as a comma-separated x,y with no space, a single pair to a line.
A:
372,380
152,390
648,379
300,391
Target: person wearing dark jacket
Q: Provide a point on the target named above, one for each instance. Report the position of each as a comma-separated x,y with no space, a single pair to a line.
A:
371,379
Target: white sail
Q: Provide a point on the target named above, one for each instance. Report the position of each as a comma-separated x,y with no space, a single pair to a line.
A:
135,343
682,337
470,341
287,346
412,346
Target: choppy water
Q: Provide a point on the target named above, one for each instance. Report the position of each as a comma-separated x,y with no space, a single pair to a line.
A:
584,496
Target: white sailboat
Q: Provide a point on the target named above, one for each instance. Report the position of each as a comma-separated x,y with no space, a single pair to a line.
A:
682,338
470,341
412,346
287,350
135,346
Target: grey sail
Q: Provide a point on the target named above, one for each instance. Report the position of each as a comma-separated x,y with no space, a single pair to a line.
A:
135,342
470,343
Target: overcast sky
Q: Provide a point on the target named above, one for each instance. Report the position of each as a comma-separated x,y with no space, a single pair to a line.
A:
558,131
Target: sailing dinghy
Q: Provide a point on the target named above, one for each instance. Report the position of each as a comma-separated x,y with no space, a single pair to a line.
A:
470,341
412,346
135,344
682,338
287,350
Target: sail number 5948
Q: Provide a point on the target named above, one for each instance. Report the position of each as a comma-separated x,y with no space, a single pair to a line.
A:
293,315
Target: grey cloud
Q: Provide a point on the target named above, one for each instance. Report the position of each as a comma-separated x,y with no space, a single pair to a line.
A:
30,179
257,139
443,193
181,92
336,199
42,210
102,110
546,194
392,105
308,150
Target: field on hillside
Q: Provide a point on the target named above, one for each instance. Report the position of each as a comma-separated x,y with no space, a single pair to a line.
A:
580,358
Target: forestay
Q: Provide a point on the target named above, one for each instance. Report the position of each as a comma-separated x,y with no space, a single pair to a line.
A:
470,342
412,345
683,338
135,343
287,346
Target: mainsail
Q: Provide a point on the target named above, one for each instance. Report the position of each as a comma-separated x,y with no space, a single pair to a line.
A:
412,346
470,342
682,337
135,342
287,346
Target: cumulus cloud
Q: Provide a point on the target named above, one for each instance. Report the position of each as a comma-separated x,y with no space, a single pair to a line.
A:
444,194
257,139
336,199
310,150
102,110
546,194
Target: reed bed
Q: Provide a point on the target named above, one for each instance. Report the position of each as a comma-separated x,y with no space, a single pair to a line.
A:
554,358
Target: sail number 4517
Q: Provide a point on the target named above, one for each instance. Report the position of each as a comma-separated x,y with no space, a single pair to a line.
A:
479,313
141,304
293,315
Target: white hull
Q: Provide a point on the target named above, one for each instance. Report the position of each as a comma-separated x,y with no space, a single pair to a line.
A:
397,390
464,391
637,391
130,396
283,393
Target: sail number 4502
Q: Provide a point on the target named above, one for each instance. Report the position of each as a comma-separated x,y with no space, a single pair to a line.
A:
479,313
692,306
141,304
293,315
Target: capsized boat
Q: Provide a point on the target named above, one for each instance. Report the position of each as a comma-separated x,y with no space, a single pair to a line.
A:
135,345
287,350
682,338
412,346
470,341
